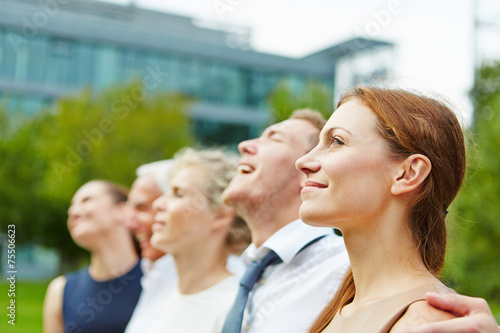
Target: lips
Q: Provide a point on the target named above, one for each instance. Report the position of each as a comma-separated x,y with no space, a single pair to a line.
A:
142,236
311,183
74,221
311,186
245,168
158,225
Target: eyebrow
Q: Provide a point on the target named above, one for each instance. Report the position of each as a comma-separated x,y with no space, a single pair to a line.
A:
329,132
271,130
138,203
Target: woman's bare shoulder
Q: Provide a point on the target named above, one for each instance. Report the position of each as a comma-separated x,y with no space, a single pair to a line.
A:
52,306
420,313
56,286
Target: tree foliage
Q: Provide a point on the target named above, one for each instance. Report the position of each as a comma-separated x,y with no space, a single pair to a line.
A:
474,257
314,95
49,156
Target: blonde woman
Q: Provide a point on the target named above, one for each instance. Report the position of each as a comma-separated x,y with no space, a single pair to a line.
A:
200,233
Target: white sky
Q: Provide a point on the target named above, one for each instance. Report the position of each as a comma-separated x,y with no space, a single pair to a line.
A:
434,38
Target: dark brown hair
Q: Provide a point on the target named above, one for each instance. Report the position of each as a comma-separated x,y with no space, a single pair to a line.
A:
118,192
414,124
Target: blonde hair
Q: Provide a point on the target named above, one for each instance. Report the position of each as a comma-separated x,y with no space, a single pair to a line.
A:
221,165
314,118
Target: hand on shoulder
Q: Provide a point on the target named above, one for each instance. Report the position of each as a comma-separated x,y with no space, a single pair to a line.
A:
474,316
420,313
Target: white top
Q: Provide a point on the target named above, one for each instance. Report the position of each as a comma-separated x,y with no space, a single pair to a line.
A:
292,294
203,312
158,282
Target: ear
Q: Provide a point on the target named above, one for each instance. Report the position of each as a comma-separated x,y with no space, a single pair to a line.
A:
411,173
223,217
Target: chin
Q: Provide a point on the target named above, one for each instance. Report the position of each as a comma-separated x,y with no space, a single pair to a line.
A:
82,236
152,253
231,197
314,223
312,218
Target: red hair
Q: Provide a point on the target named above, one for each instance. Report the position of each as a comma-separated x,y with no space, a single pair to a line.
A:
414,124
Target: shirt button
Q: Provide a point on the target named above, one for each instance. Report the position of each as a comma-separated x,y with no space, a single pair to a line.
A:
247,328
262,281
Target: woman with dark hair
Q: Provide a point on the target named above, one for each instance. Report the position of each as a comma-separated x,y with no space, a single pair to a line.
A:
102,296
388,165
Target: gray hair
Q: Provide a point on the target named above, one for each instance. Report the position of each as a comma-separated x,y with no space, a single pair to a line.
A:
159,170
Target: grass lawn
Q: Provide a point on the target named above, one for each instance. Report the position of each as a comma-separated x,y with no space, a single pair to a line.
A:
29,302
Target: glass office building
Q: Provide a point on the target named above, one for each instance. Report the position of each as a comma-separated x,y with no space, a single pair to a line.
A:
50,48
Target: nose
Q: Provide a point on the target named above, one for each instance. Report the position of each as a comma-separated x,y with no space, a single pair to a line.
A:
248,147
73,211
308,164
159,204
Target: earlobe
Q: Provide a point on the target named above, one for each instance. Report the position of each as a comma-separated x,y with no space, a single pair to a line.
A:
412,173
222,218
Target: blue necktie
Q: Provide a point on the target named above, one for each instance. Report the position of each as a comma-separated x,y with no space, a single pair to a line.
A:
252,274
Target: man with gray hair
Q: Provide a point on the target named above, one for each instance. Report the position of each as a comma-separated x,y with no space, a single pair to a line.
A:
159,269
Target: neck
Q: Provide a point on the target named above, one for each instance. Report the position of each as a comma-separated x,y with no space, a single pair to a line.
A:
384,260
266,218
114,257
201,266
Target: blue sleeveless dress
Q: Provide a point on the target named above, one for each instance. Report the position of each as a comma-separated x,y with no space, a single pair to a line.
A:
91,306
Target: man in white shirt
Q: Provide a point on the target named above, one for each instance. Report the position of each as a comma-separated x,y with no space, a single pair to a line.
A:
266,194
159,269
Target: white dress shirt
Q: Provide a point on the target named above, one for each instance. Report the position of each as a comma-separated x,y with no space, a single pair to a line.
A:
158,282
291,294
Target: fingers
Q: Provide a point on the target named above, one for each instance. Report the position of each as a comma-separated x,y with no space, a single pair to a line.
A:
458,304
475,316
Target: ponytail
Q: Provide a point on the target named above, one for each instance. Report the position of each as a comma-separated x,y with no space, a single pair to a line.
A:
344,296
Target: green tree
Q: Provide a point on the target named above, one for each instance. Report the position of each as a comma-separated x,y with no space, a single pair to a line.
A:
283,100
106,136
474,257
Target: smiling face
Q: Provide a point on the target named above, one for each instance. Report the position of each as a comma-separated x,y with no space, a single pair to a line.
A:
92,213
141,214
266,172
349,174
184,216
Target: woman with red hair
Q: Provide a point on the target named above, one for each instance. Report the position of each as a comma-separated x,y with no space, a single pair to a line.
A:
388,165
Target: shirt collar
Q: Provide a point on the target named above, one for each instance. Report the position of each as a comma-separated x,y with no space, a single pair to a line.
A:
147,265
286,242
